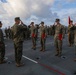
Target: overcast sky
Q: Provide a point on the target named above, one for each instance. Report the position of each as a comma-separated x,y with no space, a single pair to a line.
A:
37,11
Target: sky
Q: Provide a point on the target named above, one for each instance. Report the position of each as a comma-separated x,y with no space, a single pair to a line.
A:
37,11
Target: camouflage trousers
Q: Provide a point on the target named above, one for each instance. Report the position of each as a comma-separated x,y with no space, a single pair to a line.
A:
58,45
18,51
42,41
71,39
2,51
34,42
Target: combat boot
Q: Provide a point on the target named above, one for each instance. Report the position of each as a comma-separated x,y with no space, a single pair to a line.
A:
34,48
19,64
69,45
60,54
41,49
57,53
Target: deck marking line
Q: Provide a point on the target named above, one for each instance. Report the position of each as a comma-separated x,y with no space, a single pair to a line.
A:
48,67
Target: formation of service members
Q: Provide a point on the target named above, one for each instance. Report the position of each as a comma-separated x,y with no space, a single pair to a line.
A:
8,33
20,32
34,35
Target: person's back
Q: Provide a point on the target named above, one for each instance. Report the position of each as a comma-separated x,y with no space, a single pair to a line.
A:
17,31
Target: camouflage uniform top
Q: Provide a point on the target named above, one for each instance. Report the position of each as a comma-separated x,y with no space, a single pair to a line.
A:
43,30
1,36
70,29
74,28
33,30
59,29
18,32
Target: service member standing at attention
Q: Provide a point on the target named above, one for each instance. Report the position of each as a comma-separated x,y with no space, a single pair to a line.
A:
18,38
43,34
33,35
2,46
74,28
70,34
58,37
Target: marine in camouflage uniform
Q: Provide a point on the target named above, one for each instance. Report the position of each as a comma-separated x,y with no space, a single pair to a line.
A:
70,34
43,34
18,38
58,37
74,28
2,46
33,35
